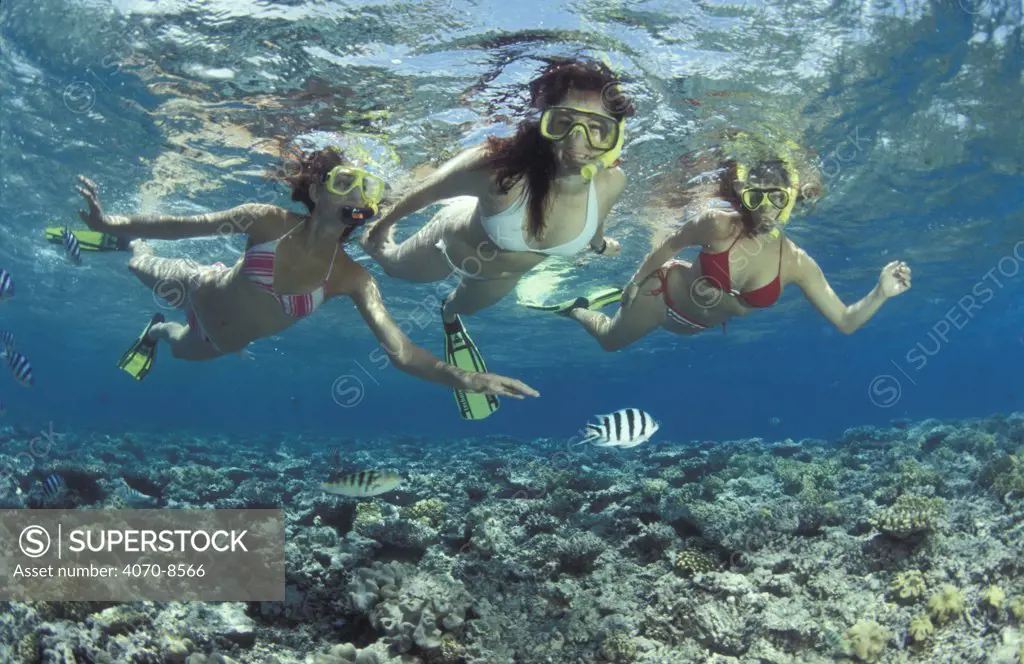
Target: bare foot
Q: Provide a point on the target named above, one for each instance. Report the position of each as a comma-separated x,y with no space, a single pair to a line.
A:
140,248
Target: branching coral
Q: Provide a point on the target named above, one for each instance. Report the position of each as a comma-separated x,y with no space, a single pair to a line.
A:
867,639
1017,608
920,627
1004,476
946,604
429,512
691,562
993,597
908,585
910,516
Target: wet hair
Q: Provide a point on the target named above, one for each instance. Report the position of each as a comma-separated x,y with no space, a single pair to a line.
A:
710,174
530,155
772,173
304,169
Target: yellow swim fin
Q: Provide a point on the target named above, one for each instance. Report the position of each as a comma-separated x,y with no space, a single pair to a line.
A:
596,300
138,360
88,240
460,351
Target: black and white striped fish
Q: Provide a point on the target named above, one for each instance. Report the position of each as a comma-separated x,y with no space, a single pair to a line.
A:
71,247
363,484
628,427
133,497
6,342
54,486
6,285
21,368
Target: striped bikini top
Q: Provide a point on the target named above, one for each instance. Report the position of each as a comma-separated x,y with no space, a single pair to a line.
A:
258,266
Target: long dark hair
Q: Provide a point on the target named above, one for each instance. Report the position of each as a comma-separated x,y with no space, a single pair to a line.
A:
304,169
530,155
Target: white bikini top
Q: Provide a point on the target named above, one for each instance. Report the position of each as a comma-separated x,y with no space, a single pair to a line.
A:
506,229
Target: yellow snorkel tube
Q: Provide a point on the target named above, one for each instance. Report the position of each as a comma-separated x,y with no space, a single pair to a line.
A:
608,159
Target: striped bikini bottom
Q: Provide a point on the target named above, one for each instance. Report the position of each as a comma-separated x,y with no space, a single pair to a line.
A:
670,308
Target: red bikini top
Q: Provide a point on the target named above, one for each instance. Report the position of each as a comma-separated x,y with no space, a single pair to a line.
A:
716,268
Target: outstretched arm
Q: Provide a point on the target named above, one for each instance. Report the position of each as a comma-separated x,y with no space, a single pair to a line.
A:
240,219
460,176
699,231
895,279
409,357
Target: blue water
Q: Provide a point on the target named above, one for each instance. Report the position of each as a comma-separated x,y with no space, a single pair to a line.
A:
915,109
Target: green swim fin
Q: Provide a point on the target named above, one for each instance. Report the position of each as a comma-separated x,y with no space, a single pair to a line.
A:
89,240
459,350
596,300
138,359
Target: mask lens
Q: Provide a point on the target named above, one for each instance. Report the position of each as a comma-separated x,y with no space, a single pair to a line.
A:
602,131
752,198
342,182
556,123
779,198
373,188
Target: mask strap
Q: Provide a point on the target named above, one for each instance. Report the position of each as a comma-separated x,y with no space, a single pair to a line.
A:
794,189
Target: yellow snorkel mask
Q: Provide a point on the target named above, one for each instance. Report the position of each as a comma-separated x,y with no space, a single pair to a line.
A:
601,131
781,198
342,180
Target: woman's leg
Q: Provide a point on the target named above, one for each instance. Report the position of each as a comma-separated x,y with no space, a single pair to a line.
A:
172,279
646,313
472,295
168,278
417,258
184,340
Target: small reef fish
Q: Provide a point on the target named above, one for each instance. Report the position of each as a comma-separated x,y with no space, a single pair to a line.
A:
20,367
134,497
3,408
6,285
54,486
626,428
71,247
363,484
6,342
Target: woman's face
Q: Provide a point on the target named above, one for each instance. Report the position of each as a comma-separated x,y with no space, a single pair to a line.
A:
335,208
766,186
574,150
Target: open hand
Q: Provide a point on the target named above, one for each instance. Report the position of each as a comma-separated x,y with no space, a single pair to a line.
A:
94,218
629,294
895,278
632,289
489,383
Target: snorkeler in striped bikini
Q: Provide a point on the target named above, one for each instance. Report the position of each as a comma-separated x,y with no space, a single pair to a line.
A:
292,264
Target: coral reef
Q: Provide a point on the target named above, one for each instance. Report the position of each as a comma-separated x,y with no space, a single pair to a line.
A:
888,545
